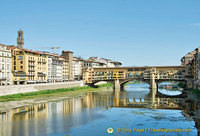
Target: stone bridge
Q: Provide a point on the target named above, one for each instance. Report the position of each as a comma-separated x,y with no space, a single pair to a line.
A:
118,76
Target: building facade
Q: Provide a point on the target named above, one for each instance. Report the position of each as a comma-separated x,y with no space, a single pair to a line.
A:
5,65
93,64
105,62
28,66
55,68
65,70
196,63
191,62
68,56
78,65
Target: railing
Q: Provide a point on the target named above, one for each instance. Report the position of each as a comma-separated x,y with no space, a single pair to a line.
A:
19,74
41,73
22,78
31,60
31,74
32,65
2,79
39,61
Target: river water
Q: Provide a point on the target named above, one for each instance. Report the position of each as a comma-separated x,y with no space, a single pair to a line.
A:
136,111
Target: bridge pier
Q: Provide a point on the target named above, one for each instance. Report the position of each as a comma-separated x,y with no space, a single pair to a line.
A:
153,84
117,85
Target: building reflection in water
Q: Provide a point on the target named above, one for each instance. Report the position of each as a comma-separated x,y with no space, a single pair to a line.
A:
192,109
42,119
55,117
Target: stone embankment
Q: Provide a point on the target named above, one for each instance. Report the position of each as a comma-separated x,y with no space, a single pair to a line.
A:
15,89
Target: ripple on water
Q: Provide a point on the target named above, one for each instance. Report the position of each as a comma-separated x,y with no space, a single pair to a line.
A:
140,125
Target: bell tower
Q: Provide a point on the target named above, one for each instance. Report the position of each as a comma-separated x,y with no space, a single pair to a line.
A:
20,39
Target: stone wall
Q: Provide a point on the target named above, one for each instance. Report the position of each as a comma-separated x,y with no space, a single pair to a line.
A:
15,89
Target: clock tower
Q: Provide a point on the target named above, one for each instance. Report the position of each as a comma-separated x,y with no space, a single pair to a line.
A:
20,39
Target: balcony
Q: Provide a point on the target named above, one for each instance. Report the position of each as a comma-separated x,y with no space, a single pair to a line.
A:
31,60
2,79
19,73
22,78
30,74
41,74
31,65
19,53
31,70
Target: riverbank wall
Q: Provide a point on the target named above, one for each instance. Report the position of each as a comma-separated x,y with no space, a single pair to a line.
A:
15,89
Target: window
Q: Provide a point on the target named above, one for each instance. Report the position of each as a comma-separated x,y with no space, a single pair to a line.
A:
14,67
2,66
21,67
21,62
8,75
20,57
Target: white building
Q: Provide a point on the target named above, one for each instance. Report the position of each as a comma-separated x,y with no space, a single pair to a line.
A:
93,64
78,65
54,68
103,62
5,65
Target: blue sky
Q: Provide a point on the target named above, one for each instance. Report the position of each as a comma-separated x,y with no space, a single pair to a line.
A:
135,32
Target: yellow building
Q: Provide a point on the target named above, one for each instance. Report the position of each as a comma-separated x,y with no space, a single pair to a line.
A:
28,66
65,71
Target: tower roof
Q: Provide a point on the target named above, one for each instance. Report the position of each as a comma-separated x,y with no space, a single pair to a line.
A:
67,51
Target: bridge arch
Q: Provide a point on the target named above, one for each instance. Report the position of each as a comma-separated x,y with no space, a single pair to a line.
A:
136,74
130,74
126,81
94,83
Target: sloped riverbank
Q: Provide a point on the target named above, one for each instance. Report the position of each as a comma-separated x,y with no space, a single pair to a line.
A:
25,99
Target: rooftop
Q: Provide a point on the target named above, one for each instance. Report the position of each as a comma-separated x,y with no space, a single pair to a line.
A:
2,44
11,47
67,51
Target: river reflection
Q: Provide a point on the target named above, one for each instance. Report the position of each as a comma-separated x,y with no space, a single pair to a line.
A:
91,115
